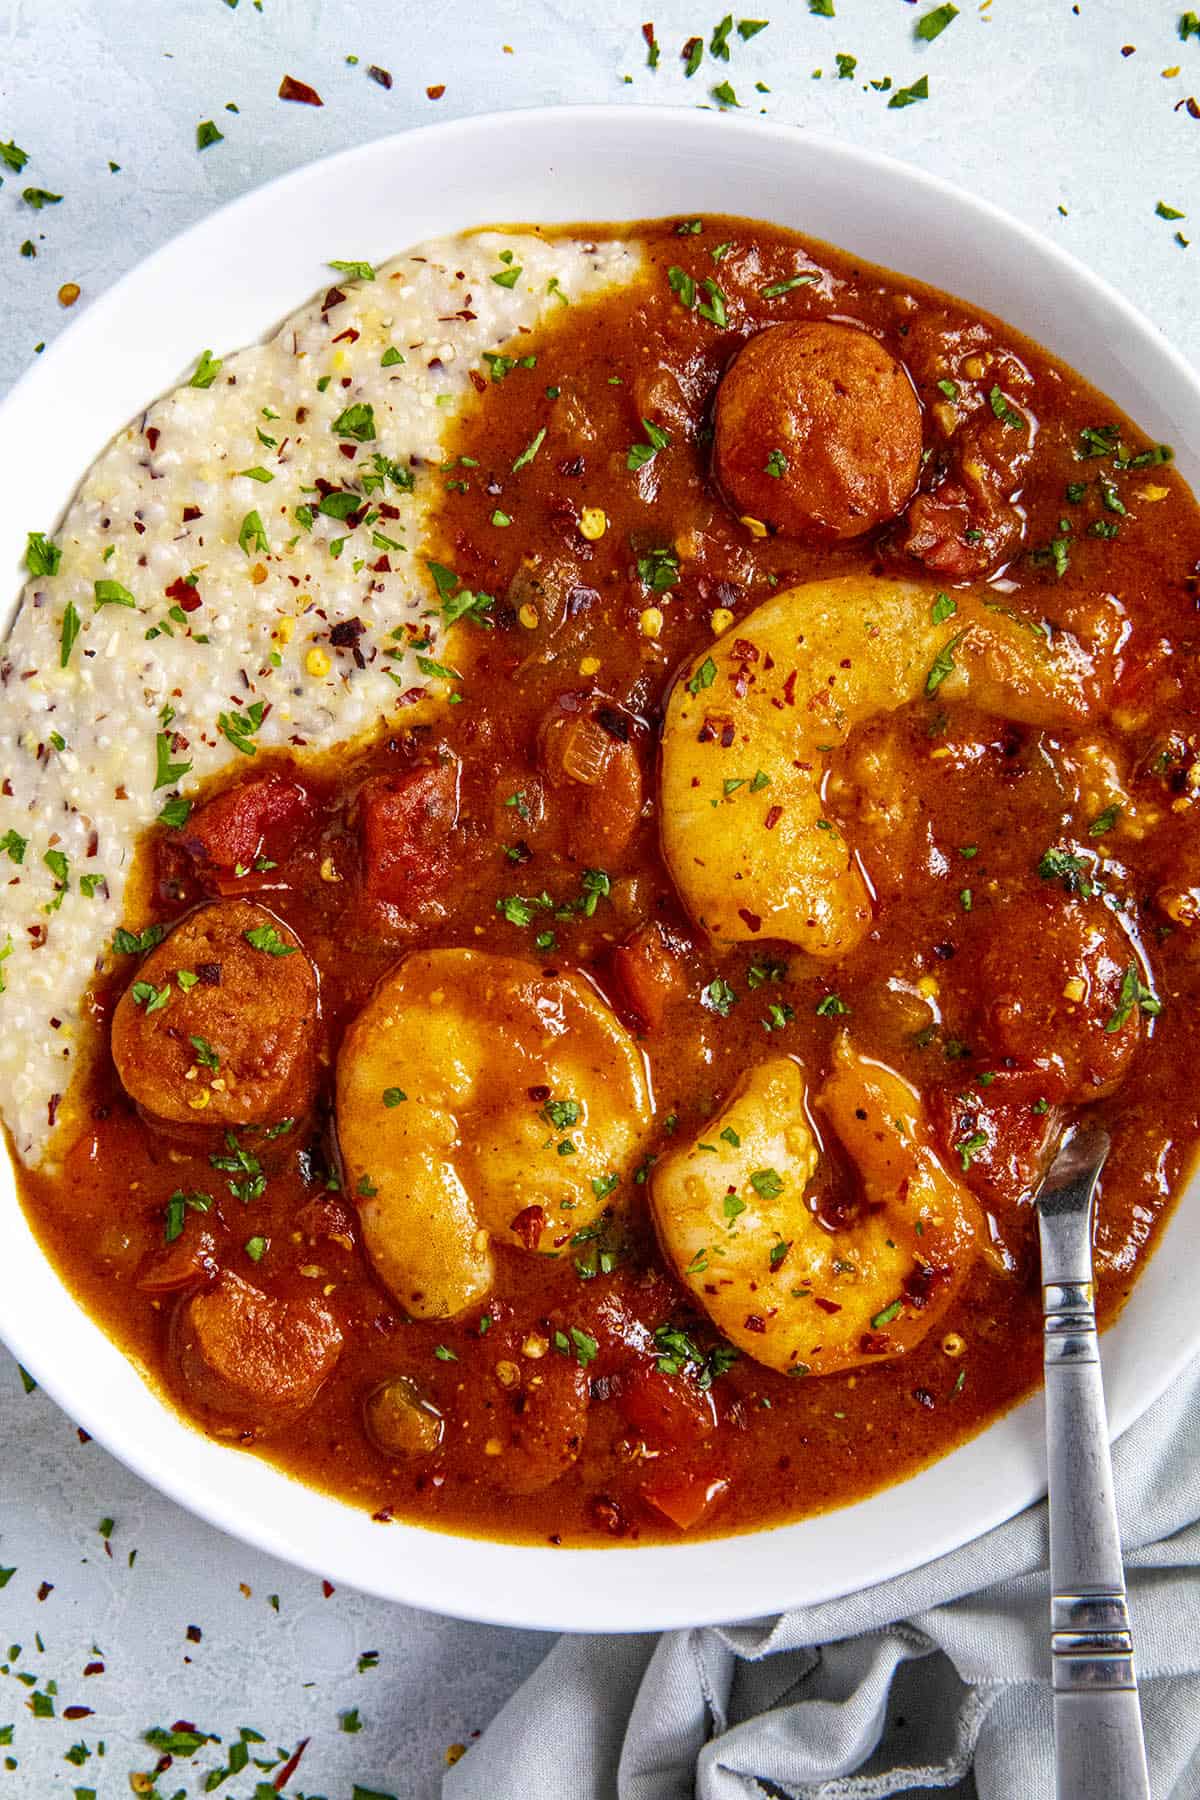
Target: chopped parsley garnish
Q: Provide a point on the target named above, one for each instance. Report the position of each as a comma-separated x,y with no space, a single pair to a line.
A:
268,940
776,464
906,96
767,1183
207,134
444,1353
1104,821
394,1096
718,997
166,771
1004,409
831,1005
42,556
14,845
206,1056
508,278
237,1162
175,813
1057,864
775,288
70,631
1134,994
943,663
355,271
145,994
932,24
111,593
886,1316
239,727
970,1148
252,537
584,1347
846,65
724,94
130,943
39,197
358,422
530,451
943,608
704,677
13,157
679,1354
658,570
178,1206
640,454
255,1248
779,1014
257,473
391,357
206,370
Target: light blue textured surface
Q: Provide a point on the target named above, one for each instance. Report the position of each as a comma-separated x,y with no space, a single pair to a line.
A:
1031,105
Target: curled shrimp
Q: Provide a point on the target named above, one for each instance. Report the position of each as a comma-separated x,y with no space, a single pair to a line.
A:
733,1221
752,719
481,1101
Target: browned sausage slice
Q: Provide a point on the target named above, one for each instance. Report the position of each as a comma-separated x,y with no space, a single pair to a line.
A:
220,1026
818,431
253,1358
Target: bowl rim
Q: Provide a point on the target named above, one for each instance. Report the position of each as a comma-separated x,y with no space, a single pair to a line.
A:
658,1586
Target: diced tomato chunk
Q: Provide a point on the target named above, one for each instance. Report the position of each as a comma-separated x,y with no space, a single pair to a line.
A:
406,823
647,976
246,821
669,1411
685,1499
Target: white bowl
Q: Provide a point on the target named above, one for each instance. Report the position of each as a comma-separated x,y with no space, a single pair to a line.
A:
224,283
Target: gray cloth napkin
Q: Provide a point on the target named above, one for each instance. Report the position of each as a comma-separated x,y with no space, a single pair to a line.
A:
903,1687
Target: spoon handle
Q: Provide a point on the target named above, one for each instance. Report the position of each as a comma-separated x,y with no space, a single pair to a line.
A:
1097,1719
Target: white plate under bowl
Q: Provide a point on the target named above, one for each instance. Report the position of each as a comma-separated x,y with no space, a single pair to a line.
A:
225,283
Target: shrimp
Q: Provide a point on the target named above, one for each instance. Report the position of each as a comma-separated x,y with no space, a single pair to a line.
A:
751,720
733,1221
479,1101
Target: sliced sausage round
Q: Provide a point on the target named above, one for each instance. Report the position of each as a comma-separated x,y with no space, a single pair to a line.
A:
817,431
251,1358
221,1025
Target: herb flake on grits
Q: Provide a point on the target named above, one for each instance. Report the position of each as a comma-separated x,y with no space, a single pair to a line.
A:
184,613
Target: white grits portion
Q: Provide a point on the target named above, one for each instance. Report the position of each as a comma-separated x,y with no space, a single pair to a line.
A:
114,698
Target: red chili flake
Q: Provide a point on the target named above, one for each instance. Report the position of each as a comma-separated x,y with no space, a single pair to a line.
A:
349,335
774,814
85,1437
52,1104
185,594
193,1634
789,688
752,1322
327,1588
291,1765
334,297
349,451
529,1225
749,919
291,89
382,76
690,48
435,93
539,1094
923,1397
152,436
826,1306
45,1591
1128,49
875,1343
190,513
77,1712
384,1516
94,1668
478,382
744,650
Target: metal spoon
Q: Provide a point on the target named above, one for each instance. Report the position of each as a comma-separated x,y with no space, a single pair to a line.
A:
1099,1748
